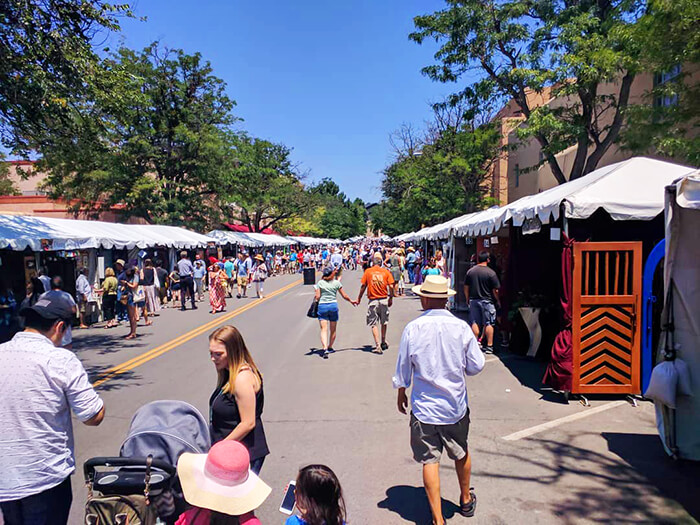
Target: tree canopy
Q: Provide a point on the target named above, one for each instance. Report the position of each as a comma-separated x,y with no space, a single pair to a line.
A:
340,217
46,61
514,48
151,141
445,178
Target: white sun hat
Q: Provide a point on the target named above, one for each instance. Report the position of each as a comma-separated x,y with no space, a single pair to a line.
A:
434,286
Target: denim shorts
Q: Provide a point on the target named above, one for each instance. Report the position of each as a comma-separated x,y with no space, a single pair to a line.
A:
482,312
328,312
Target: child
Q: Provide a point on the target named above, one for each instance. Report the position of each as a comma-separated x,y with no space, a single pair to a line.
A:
401,284
319,498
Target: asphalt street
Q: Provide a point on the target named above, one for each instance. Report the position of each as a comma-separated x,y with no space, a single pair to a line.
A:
605,465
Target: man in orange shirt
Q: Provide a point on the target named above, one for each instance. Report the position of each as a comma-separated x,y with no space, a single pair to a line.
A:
380,291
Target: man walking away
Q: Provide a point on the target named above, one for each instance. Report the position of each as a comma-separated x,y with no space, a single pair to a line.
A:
436,351
37,397
162,274
229,265
83,292
380,292
481,290
243,268
186,271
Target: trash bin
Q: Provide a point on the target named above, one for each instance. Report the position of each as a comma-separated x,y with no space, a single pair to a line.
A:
309,275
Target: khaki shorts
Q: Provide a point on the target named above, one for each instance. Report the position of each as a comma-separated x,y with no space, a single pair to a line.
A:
242,281
427,441
378,312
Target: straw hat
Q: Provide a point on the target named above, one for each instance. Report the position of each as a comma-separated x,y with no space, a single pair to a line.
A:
434,286
222,480
260,258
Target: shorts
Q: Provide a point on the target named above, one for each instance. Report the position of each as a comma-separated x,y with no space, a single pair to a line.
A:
242,281
482,312
328,312
378,312
427,441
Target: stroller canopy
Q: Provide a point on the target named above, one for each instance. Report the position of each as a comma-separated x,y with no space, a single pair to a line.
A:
166,429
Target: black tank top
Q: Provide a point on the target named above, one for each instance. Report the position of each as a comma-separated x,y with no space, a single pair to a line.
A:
224,417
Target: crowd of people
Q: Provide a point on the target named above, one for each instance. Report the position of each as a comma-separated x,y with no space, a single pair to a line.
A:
435,354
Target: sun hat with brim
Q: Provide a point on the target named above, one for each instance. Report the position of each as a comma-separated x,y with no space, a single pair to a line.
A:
222,480
434,286
259,257
120,261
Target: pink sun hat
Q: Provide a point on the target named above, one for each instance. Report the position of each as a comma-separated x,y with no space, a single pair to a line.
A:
222,480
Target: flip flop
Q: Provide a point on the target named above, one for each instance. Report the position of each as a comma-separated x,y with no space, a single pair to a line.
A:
468,509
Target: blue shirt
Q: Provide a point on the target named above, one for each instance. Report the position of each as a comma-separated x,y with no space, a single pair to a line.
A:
185,268
200,269
244,267
228,268
324,254
296,520
435,353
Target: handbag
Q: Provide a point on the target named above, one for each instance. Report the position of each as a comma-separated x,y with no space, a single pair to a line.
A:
313,310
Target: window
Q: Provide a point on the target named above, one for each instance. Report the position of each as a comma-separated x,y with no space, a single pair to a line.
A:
662,78
517,175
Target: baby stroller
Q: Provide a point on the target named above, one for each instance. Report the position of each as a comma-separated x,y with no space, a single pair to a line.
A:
141,485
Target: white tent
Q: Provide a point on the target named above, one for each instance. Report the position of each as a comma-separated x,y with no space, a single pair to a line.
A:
235,238
311,241
18,232
269,240
628,190
680,428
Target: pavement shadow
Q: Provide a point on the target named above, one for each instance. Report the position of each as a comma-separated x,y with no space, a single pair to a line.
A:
107,343
411,504
529,372
677,480
126,379
605,490
319,352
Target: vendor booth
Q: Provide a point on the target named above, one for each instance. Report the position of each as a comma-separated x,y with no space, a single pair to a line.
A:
679,426
594,232
64,246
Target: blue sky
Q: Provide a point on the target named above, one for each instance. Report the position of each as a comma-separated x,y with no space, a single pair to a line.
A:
330,79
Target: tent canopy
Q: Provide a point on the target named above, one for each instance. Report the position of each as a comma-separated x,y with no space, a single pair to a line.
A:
628,190
311,241
235,238
18,232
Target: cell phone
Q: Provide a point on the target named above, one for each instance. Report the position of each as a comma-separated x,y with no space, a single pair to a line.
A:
289,500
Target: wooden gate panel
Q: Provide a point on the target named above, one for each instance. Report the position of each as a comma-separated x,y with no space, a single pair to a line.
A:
606,302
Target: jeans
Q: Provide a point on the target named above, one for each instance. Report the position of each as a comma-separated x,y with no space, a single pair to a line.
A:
256,465
50,507
187,286
199,286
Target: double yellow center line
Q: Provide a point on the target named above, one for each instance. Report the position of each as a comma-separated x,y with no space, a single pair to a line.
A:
174,343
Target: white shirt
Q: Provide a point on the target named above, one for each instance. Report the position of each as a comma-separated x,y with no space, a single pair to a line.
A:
82,287
336,260
39,386
436,351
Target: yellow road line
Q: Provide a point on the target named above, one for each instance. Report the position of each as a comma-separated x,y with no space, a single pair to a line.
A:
174,343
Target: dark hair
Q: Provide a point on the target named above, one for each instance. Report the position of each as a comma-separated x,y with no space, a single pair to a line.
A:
148,263
57,283
484,256
36,322
319,493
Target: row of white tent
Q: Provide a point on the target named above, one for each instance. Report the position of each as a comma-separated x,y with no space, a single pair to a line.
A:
19,232
628,190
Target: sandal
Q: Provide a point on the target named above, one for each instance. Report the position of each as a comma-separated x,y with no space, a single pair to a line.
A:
468,509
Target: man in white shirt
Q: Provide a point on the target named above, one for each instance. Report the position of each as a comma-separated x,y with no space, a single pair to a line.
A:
40,385
83,292
435,353
337,259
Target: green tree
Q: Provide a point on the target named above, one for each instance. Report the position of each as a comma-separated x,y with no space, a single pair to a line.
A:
509,47
668,119
152,141
341,218
7,186
46,61
446,179
260,185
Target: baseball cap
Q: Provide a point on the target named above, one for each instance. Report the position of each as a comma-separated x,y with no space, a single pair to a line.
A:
51,305
328,270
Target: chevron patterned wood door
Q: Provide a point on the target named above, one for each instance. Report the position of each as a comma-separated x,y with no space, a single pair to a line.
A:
607,300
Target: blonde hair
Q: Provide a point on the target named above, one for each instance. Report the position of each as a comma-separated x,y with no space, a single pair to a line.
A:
109,272
237,356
